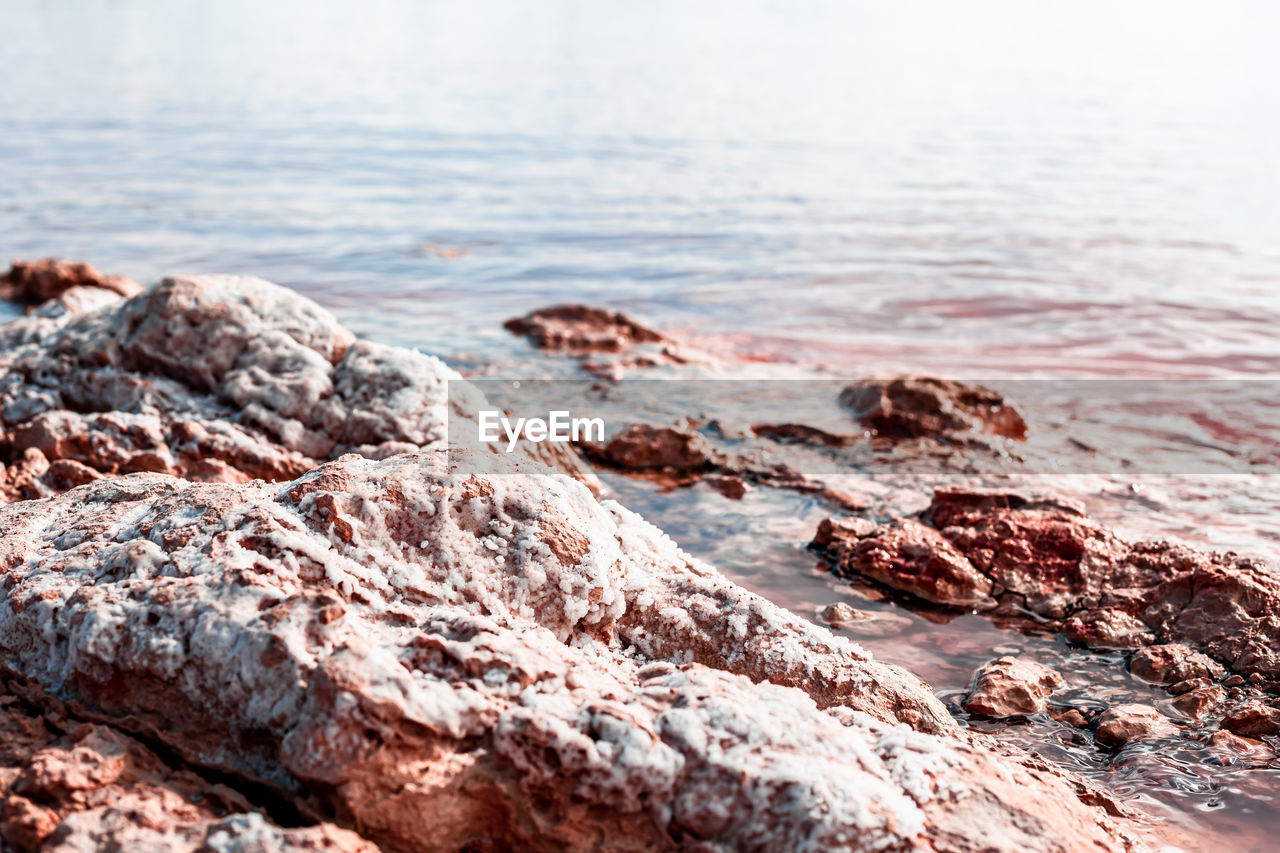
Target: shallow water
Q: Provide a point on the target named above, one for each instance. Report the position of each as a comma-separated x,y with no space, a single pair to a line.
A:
1012,190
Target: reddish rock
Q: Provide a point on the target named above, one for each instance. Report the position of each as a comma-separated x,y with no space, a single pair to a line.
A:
1196,704
864,622
1011,687
581,329
1107,628
1070,716
907,556
40,281
1232,749
1127,723
1172,663
1253,719
921,406
641,447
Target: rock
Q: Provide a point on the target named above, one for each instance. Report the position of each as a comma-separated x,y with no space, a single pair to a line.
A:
40,281
1231,749
642,447
581,328
1070,716
864,622
448,659
1107,628
1171,663
1196,704
1127,723
1044,555
222,379
73,787
1011,687
1253,719
921,406
910,557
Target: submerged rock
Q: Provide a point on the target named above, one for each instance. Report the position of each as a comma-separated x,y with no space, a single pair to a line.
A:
1127,723
1253,719
1173,663
1011,687
926,407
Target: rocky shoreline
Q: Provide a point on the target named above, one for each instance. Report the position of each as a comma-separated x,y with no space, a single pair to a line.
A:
252,602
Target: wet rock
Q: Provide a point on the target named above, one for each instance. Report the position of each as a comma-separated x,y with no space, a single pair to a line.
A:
921,406
1107,628
72,787
864,622
40,281
1196,704
1011,687
1128,723
1070,716
1043,554
1253,719
1232,749
907,556
642,447
1172,663
581,328
221,379
446,663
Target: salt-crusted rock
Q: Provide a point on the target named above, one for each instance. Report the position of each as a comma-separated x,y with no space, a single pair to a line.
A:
1127,723
88,787
1044,555
441,658
922,406
1011,687
219,378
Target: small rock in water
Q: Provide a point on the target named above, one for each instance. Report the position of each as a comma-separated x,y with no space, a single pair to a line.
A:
922,406
1253,719
1011,687
1108,628
1172,663
1196,704
1070,716
865,622
1230,748
1127,723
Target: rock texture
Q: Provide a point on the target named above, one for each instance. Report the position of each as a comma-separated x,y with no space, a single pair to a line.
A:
1127,723
608,343
41,281
213,378
1044,555
435,650
391,642
926,407
68,787
1011,687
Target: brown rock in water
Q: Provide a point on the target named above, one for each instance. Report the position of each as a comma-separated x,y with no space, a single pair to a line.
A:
910,557
864,622
1196,704
1172,663
72,787
1127,723
40,281
581,329
1231,749
642,447
221,379
1043,554
1107,628
509,664
1253,719
1011,687
925,407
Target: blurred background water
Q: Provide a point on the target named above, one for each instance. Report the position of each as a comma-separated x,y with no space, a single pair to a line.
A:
1085,188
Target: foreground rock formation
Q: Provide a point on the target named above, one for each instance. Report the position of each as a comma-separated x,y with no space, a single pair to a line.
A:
434,651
